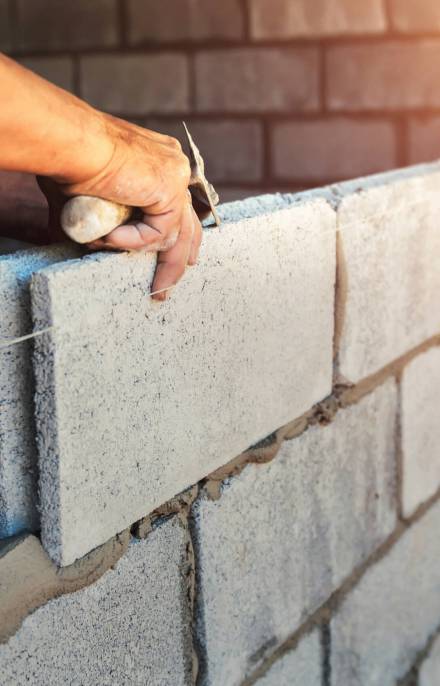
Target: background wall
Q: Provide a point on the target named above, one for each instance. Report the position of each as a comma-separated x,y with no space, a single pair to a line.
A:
280,94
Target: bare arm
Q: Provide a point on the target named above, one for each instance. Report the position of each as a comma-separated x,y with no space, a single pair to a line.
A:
46,131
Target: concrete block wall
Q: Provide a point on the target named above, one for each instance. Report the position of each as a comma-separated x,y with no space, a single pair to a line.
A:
239,486
309,91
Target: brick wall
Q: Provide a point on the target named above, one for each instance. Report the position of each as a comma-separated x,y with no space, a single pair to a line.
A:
309,331
281,94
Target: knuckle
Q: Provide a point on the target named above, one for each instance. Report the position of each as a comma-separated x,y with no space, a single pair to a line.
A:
184,168
174,143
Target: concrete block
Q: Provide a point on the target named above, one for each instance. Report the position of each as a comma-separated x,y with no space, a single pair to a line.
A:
257,79
332,149
415,16
57,70
301,19
51,25
388,617
131,627
18,453
187,20
369,77
137,400
136,84
390,245
429,674
299,667
284,535
420,429
28,578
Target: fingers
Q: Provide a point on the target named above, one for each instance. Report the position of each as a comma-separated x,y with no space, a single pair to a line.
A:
136,236
154,232
172,263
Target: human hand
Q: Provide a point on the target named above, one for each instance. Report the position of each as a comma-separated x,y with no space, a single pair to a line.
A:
149,171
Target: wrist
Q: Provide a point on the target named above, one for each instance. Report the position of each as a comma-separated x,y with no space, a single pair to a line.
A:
90,150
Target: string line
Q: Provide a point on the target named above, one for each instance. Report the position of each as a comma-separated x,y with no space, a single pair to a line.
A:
6,343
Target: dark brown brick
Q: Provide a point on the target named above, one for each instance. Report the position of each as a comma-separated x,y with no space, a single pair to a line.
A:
411,16
57,70
5,26
311,18
232,150
136,84
257,79
55,25
332,149
423,139
384,77
153,21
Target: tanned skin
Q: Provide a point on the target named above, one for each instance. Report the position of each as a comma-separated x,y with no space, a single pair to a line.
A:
75,149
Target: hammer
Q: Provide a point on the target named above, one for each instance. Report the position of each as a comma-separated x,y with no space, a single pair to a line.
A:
85,218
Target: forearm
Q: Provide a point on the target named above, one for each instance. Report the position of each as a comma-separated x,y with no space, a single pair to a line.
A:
45,130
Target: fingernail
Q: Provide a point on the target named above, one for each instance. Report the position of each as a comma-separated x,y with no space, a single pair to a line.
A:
160,296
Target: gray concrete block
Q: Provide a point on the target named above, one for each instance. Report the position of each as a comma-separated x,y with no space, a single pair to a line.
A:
388,617
429,674
283,536
130,627
299,667
391,250
420,429
137,400
18,454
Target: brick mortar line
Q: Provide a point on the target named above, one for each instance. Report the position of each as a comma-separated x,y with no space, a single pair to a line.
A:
412,675
76,76
122,23
216,44
401,135
326,651
282,117
328,608
300,117
246,17
388,14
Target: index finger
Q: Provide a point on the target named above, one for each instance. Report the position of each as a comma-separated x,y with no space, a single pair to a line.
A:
154,231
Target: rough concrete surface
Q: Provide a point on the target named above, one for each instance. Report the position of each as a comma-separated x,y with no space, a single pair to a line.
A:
388,617
429,674
390,280
18,454
284,535
137,400
28,578
420,429
299,667
130,627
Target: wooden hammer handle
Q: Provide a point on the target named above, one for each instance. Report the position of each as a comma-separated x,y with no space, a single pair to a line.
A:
85,218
